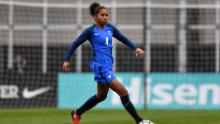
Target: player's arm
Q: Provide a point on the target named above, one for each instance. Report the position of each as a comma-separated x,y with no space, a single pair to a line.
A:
79,40
117,34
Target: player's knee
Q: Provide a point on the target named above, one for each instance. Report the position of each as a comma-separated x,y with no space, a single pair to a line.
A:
123,92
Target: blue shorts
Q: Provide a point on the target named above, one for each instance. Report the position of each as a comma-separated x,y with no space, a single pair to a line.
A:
102,73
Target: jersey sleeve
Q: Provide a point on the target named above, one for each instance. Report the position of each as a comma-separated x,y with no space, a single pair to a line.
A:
78,41
118,35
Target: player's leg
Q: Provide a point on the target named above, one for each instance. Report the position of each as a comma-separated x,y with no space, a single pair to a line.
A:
102,91
116,86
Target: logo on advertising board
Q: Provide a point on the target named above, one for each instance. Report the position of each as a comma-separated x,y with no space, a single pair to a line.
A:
12,92
164,90
184,91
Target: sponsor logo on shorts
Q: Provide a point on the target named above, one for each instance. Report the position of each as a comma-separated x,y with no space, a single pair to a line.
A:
109,76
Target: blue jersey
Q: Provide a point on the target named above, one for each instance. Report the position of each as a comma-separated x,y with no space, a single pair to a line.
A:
101,42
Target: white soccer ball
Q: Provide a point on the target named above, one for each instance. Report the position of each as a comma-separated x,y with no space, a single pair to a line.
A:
146,122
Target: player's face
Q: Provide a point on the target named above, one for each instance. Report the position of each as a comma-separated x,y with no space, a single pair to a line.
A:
102,17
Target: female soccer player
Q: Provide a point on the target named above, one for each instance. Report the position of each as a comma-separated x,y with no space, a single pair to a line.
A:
100,37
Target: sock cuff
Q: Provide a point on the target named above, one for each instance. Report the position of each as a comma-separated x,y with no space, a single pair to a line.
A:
124,97
94,97
125,100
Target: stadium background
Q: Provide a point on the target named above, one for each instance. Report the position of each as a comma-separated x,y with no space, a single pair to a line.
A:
180,38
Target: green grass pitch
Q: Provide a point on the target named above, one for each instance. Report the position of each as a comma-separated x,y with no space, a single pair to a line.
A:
99,116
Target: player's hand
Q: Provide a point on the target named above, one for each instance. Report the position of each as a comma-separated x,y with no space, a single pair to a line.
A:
139,52
66,66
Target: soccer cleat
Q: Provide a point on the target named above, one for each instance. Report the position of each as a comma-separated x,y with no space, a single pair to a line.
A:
75,117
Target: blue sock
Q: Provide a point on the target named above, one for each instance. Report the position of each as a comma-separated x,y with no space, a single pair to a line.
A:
90,103
130,108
